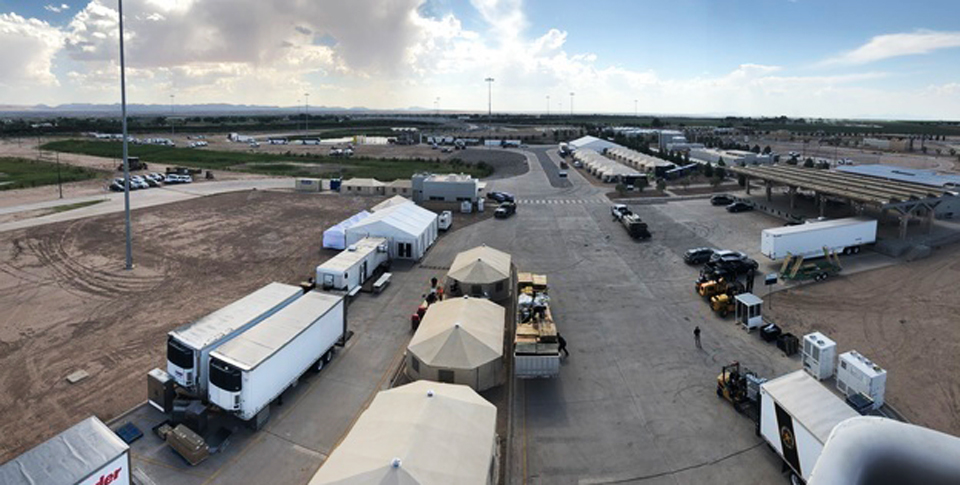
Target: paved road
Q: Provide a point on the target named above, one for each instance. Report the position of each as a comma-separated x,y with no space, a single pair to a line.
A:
138,200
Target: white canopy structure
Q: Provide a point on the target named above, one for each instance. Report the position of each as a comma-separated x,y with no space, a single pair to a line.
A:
481,271
408,228
421,433
459,341
392,201
602,167
336,236
638,161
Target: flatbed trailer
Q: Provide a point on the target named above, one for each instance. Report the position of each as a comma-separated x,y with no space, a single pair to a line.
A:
536,346
796,269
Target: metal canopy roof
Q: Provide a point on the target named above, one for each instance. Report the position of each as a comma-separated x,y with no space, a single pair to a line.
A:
860,188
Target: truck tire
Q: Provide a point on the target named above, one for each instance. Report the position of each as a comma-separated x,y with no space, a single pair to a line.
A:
856,250
320,364
327,357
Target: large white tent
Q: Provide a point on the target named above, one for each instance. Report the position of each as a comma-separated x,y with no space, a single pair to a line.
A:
481,271
408,229
460,340
421,433
336,236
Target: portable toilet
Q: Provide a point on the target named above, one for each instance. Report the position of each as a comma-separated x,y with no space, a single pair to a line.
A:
748,307
335,185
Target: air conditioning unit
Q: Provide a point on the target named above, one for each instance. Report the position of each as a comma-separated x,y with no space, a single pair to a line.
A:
858,374
819,355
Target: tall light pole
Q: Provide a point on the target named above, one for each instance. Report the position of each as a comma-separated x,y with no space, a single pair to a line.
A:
171,115
571,103
126,161
635,112
300,113
436,105
548,105
489,81
306,112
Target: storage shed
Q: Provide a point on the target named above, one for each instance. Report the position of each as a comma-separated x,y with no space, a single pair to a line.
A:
354,265
459,341
409,230
480,272
421,433
358,186
336,236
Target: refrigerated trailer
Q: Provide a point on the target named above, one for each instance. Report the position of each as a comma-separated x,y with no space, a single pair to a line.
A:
797,414
250,371
88,453
808,240
189,347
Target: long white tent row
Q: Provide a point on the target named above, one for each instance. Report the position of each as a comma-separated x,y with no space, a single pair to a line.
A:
639,161
602,167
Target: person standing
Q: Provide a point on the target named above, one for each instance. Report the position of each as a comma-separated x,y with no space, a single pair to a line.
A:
563,345
696,336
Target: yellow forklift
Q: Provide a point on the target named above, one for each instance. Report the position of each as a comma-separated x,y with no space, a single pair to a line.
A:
741,387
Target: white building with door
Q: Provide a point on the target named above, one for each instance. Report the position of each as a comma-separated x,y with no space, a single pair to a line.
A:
354,265
409,230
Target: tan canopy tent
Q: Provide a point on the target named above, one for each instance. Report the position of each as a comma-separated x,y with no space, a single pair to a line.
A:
481,271
460,340
420,433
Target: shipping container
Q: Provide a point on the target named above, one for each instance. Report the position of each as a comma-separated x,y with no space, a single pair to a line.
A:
189,347
253,369
808,240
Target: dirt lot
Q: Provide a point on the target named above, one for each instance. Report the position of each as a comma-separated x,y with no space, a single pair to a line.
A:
868,156
69,305
904,318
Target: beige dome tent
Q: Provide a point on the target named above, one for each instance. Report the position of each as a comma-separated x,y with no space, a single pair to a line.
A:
420,433
460,340
481,272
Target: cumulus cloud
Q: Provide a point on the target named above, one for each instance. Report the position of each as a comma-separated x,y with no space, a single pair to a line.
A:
29,46
896,45
56,8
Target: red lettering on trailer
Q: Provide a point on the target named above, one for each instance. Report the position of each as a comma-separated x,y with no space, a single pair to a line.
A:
109,477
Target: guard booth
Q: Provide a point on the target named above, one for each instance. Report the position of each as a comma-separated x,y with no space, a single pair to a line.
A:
748,311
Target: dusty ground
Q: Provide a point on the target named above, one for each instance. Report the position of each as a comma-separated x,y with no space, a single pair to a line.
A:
869,156
69,305
904,318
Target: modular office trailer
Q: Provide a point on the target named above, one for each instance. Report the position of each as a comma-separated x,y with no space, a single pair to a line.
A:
250,371
88,453
189,347
354,265
808,240
797,414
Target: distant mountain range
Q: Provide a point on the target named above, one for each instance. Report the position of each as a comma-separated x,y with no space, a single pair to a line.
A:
80,109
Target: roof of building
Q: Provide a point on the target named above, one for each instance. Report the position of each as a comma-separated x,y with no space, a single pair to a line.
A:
460,333
249,349
592,143
409,218
405,183
358,182
69,457
420,433
903,174
226,320
353,254
450,177
342,226
480,265
811,404
392,201
603,166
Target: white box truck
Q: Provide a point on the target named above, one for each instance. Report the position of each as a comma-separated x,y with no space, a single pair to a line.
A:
354,265
845,236
189,347
88,453
250,371
797,414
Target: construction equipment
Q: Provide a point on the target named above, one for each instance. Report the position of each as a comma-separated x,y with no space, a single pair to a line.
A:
723,304
741,387
134,163
711,288
635,227
794,267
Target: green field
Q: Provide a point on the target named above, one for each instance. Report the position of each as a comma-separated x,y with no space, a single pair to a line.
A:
270,164
78,205
18,173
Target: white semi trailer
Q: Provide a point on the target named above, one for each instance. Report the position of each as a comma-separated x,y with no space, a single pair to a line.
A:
797,414
845,236
189,347
250,371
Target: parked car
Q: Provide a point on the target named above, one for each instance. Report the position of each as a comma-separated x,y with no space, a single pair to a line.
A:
505,210
151,182
155,176
740,207
732,260
722,199
698,255
115,186
172,178
618,211
500,196
186,179
138,184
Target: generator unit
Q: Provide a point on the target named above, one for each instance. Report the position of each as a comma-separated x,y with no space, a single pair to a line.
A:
858,374
819,356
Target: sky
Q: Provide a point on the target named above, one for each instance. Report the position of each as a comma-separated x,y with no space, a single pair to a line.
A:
809,58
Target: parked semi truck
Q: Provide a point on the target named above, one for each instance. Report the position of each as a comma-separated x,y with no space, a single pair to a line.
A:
250,371
845,236
797,415
536,347
189,347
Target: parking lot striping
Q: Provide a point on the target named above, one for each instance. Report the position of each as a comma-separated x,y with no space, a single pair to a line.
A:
597,201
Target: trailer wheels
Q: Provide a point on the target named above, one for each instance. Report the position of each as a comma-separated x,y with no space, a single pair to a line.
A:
327,357
856,250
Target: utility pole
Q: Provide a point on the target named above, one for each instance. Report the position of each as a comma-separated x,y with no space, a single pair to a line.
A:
635,112
126,161
571,103
489,81
171,115
306,112
548,105
59,180
436,105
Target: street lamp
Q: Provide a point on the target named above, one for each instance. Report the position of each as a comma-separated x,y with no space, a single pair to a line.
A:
635,112
548,105
306,112
436,105
126,161
489,81
171,115
571,103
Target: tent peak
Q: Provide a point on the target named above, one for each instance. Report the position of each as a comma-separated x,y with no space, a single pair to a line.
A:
395,463
430,392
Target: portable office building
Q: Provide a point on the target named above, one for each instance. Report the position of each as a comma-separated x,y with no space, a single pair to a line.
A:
353,265
409,230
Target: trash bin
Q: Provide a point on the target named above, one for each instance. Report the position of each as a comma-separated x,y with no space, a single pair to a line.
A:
788,343
770,333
